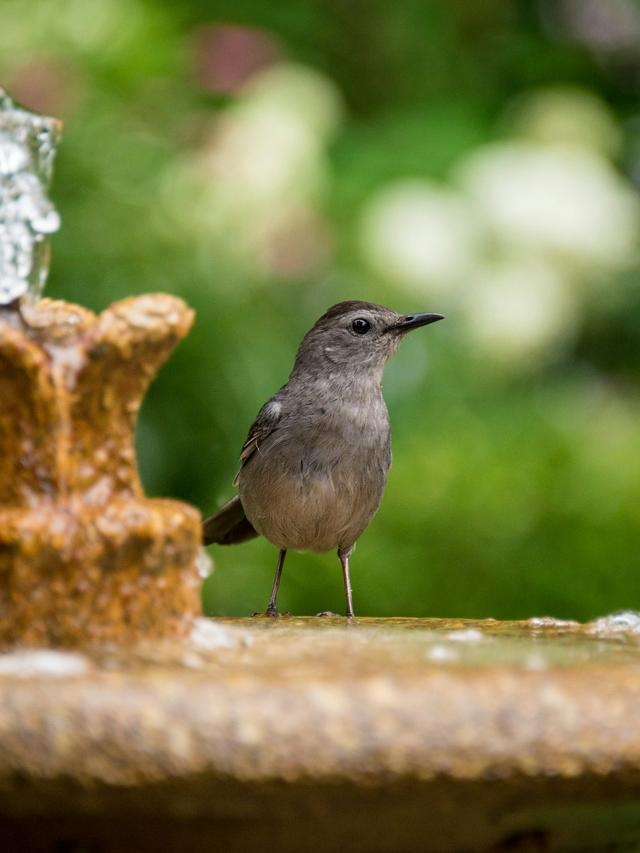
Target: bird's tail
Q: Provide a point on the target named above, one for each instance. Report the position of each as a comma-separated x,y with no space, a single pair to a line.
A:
228,526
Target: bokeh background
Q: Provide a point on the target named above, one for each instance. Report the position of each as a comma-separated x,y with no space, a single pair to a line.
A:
264,160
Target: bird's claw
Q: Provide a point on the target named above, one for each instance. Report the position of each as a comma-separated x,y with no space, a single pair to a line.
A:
271,613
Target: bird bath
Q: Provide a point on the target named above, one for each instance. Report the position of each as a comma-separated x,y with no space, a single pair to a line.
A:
128,724
321,734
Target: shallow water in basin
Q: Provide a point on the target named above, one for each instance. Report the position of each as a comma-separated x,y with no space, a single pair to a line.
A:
313,646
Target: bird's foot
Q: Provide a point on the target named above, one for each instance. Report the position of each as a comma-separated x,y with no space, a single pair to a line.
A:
328,613
271,612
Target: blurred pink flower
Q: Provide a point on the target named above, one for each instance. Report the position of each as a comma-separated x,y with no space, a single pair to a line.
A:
227,55
296,242
608,28
46,86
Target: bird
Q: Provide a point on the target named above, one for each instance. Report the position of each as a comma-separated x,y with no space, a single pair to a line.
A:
314,465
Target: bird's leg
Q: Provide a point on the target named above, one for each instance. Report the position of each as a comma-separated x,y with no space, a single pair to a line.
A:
272,608
344,560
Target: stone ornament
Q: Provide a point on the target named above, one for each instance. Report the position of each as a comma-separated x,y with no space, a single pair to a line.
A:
84,556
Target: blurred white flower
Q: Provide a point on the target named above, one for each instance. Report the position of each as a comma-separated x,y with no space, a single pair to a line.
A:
257,180
560,200
420,235
307,94
521,312
259,153
567,116
270,144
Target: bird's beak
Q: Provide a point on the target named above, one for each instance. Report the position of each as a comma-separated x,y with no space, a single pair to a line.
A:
412,321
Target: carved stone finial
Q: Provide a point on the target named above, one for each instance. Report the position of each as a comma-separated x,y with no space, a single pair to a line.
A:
84,556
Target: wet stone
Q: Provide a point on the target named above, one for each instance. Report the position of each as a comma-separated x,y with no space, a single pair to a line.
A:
328,734
85,557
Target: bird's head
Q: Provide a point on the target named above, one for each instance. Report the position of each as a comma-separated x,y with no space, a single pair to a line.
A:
360,335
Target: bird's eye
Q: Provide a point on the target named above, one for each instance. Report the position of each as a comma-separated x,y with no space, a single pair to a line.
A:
360,326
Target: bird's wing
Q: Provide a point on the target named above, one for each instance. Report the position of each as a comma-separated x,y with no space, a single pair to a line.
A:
268,420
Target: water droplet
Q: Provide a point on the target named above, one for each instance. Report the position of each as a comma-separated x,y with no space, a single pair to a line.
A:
204,564
207,635
550,622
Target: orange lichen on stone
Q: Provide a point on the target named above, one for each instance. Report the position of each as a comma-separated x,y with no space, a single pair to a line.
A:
84,557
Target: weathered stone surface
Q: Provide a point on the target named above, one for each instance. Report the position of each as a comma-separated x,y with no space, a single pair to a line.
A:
314,734
84,557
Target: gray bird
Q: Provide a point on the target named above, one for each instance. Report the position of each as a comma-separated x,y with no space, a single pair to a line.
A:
314,465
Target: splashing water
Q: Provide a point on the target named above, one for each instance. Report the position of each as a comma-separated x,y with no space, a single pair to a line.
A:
204,564
622,622
208,635
28,145
550,622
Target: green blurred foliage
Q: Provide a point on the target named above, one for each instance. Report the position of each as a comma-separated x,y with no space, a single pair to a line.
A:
511,493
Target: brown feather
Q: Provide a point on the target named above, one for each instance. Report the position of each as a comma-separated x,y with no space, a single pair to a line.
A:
228,526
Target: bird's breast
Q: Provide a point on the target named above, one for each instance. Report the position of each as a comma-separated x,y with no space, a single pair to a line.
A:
317,481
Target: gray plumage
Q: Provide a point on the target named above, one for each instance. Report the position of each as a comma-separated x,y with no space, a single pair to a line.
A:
314,465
